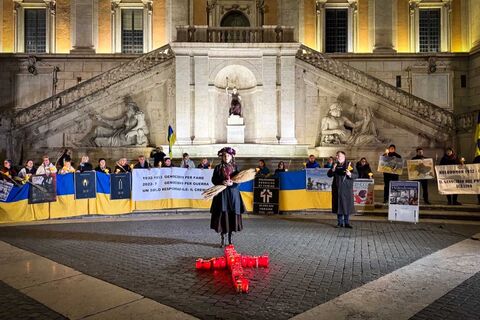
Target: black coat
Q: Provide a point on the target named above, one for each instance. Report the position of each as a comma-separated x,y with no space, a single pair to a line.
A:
363,171
342,190
85,167
227,206
449,160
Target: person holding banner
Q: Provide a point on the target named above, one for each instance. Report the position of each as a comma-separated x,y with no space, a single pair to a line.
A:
46,167
122,166
85,165
7,170
142,163
450,158
342,189
102,166
227,206
67,166
28,170
423,182
387,177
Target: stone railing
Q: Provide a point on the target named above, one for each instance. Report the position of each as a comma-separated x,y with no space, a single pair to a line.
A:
466,122
235,34
93,85
408,102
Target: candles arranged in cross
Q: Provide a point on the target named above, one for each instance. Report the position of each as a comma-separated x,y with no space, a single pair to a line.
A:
235,263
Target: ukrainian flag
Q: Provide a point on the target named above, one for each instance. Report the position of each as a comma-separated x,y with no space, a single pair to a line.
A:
477,137
171,140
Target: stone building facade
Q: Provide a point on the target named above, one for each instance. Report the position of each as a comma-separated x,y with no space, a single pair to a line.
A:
402,71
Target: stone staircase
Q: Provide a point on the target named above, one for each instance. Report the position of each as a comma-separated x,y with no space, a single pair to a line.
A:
61,101
412,112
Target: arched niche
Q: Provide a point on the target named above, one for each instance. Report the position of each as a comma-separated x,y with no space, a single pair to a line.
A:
234,18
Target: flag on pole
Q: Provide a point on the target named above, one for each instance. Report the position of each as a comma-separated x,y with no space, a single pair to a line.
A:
477,137
171,140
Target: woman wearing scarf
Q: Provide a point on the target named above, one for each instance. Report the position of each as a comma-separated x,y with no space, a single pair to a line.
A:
227,206
342,189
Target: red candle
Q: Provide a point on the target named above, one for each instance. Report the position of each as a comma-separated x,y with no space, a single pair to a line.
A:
244,285
263,261
199,263
206,264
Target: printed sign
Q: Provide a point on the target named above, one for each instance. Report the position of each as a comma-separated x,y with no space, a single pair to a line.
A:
403,204
363,193
85,185
390,165
170,183
266,195
120,186
5,188
317,180
458,179
420,169
43,188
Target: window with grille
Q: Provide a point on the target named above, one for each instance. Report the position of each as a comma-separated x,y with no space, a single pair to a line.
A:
35,30
132,31
336,30
429,30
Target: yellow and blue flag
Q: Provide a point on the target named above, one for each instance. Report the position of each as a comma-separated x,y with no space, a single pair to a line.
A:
477,137
171,140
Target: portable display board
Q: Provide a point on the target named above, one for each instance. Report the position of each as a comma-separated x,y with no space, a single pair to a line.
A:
363,194
317,180
266,193
420,169
392,165
403,204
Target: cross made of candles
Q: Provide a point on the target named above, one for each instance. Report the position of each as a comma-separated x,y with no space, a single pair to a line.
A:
235,264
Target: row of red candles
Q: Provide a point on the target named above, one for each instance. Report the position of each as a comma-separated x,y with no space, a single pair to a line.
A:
221,262
235,263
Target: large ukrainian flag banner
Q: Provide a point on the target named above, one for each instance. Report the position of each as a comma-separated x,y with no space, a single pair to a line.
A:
293,196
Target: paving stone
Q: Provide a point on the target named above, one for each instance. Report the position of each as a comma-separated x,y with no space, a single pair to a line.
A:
311,262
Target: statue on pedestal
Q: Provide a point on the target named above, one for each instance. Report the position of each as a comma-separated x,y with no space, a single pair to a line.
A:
235,105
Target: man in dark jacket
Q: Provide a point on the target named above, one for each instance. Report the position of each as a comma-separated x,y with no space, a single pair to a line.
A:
387,177
450,158
342,189
423,182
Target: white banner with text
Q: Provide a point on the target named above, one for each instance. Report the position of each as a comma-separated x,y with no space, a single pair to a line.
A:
170,183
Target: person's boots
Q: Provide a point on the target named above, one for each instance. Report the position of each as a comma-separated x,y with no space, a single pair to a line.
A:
229,238
222,242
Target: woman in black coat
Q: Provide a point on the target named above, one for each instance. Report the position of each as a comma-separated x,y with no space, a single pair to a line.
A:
363,169
227,206
342,189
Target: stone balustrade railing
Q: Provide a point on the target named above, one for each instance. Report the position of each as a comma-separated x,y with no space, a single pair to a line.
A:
466,122
93,85
269,34
408,102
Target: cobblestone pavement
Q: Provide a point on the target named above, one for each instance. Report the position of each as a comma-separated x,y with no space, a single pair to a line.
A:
463,303
311,261
15,305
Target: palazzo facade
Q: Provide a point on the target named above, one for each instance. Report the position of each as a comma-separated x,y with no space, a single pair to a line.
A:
108,77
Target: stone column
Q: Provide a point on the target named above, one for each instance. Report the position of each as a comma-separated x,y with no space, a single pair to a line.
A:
320,24
177,15
183,100
266,122
474,24
202,105
83,27
383,17
287,101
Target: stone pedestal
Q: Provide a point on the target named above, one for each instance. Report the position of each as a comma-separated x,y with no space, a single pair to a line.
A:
235,130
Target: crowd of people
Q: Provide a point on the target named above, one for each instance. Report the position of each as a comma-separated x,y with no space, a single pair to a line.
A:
64,165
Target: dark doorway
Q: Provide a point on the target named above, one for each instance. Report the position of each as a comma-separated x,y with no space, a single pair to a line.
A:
235,19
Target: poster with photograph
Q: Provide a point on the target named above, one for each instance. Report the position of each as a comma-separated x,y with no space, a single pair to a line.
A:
43,188
5,188
390,165
317,180
363,194
420,169
403,204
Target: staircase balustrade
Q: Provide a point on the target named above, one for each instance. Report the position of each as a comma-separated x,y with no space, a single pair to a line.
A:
404,100
93,85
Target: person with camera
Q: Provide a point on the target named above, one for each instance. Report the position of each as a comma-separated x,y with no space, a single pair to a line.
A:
343,175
